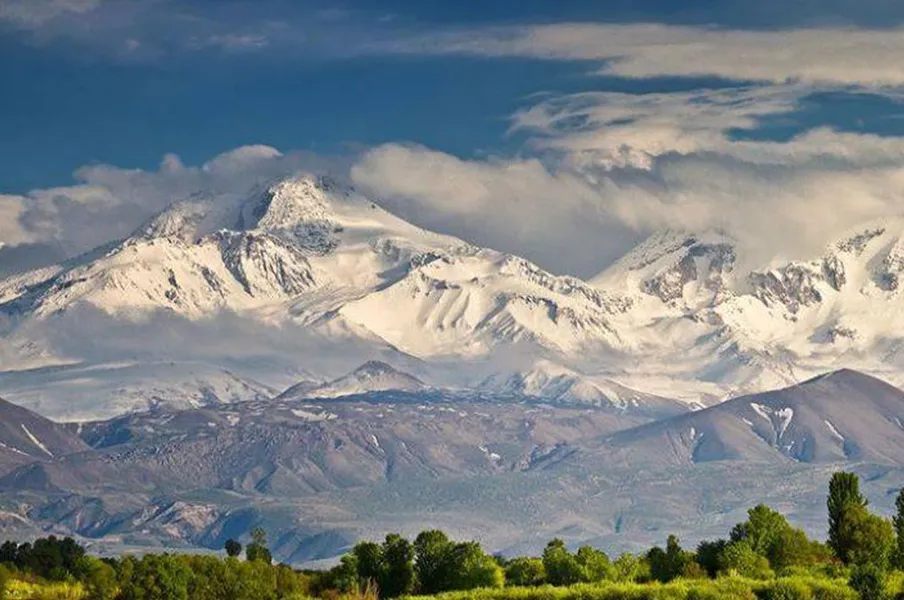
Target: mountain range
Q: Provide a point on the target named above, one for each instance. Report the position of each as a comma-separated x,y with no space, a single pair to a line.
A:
225,297
299,358
319,474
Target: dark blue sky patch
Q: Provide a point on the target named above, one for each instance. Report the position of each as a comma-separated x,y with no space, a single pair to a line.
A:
63,115
853,112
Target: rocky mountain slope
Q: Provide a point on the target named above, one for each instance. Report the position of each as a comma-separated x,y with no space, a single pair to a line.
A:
26,437
838,417
319,474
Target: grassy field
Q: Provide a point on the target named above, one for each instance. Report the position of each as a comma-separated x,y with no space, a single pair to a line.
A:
734,588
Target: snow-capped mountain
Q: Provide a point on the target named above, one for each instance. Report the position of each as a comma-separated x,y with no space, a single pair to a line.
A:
566,386
763,328
307,274
372,376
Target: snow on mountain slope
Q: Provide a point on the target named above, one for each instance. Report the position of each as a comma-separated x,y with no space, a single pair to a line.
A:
765,328
839,416
561,384
97,391
372,376
312,254
309,257
464,303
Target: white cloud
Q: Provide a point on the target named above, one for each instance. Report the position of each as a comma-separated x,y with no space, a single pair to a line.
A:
838,55
613,130
12,233
518,206
31,14
618,166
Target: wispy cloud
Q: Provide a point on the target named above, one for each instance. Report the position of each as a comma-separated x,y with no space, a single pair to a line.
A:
33,14
837,55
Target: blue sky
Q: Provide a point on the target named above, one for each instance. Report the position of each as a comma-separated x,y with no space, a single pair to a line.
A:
75,100
621,110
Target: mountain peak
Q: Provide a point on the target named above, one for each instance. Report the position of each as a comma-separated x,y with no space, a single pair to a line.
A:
372,376
376,367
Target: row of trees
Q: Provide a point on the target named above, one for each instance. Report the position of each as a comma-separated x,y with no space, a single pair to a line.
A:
156,577
431,564
861,544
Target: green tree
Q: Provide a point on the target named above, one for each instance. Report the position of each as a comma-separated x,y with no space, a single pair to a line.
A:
369,561
869,539
257,550
433,549
709,555
595,564
844,498
899,531
525,572
472,568
794,548
762,530
668,564
157,577
561,567
398,576
628,568
233,548
739,558
4,582
98,578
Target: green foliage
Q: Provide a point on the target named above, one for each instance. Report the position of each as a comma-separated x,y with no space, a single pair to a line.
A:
472,568
739,558
709,555
868,581
98,578
587,565
762,530
48,558
561,566
844,499
233,548
398,576
257,550
157,577
525,571
787,590
868,539
630,568
898,557
668,564
389,566
432,565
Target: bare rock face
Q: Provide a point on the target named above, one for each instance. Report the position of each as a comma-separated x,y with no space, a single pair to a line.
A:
707,263
791,287
834,272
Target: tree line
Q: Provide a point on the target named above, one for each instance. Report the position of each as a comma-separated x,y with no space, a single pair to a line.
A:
861,546
862,551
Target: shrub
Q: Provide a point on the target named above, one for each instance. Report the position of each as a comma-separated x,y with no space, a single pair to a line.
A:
787,589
